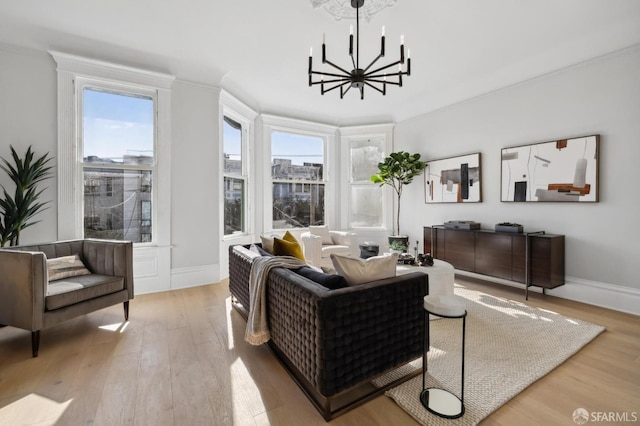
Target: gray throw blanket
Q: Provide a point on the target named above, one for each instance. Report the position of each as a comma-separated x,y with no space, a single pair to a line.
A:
257,325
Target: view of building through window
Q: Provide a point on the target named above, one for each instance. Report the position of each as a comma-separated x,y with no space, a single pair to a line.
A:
234,178
118,140
297,164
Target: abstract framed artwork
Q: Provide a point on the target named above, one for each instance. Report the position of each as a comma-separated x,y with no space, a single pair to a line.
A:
453,180
565,170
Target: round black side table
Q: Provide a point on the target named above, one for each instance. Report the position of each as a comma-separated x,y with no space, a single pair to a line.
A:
439,401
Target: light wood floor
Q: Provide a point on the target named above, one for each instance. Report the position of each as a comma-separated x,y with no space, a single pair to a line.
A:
182,360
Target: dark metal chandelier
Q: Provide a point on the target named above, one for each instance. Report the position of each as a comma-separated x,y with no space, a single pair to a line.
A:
358,77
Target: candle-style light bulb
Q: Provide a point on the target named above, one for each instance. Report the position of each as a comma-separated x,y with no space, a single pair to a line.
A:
310,51
383,31
402,39
350,29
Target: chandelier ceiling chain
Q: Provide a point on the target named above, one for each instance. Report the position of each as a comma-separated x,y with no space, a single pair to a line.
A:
358,77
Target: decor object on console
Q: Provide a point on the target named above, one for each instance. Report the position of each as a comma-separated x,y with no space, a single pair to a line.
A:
509,227
369,249
563,170
461,224
18,210
358,77
454,180
397,170
31,301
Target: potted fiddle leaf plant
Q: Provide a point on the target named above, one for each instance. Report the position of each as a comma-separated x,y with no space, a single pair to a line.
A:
398,170
17,211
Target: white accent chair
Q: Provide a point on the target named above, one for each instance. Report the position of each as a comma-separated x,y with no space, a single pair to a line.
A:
319,243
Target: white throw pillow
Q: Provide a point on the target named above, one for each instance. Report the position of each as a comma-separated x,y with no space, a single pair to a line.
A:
267,243
358,271
322,231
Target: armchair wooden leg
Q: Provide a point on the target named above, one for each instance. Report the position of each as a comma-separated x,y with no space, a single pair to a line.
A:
126,310
35,342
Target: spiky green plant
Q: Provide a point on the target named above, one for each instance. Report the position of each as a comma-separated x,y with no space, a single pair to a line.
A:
17,211
397,170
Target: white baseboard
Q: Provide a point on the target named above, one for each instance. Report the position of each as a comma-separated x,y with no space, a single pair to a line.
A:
194,276
611,296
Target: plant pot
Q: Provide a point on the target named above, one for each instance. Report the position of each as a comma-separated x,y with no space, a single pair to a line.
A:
402,239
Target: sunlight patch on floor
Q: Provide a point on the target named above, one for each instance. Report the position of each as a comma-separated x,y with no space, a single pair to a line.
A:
33,409
228,308
116,327
245,395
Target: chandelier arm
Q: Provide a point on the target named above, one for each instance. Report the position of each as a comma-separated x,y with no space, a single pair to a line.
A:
372,62
371,80
336,80
335,87
330,74
337,67
383,68
395,74
374,87
345,92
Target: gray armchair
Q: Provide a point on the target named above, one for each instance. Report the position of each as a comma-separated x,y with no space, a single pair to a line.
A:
29,301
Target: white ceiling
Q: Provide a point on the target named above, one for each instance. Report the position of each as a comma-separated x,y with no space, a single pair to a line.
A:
257,49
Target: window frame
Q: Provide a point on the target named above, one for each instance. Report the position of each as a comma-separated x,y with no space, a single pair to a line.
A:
327,133
82,83
72,70
235,110
349,135
242,176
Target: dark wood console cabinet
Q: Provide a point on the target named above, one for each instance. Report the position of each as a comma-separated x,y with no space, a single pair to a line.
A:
500,254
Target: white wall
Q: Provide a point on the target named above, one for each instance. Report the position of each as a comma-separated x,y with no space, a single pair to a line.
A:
598,97
28,116
195,186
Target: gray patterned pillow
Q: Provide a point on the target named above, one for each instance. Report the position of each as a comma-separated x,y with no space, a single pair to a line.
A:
65,267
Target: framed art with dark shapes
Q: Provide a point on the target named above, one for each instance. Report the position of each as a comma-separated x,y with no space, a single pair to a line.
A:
565,170
454,180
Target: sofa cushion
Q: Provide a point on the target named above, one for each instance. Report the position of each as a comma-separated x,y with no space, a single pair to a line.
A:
256,248
358,271
327,251
288,246
66,266
323,232
72,290
267,242
332,282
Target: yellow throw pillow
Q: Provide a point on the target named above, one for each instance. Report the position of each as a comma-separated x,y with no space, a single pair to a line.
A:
288,246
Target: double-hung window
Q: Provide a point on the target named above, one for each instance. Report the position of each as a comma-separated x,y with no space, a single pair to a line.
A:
118,160
300,163
365,205
297,165
235,178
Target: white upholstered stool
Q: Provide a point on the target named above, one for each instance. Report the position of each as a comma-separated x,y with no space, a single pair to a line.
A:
441,277
439,401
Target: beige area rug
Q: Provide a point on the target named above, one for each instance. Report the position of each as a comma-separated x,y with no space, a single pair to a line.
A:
509,345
